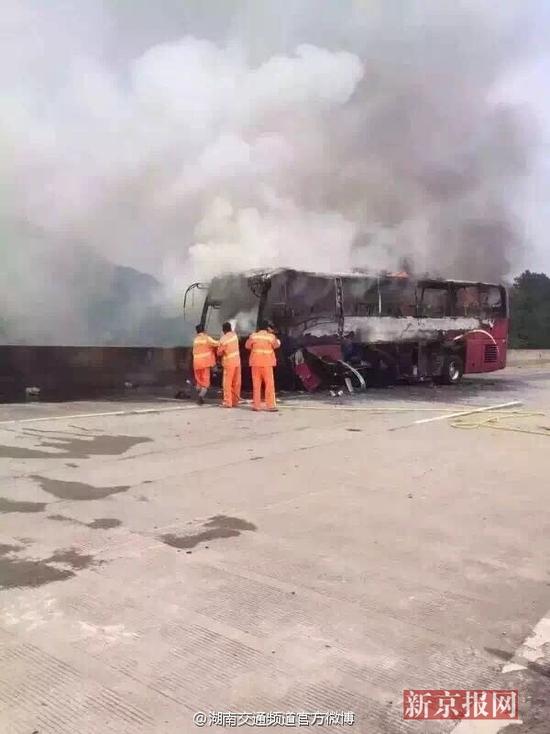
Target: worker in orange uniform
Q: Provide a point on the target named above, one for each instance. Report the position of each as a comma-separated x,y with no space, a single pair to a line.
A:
262,345
228,350
204,358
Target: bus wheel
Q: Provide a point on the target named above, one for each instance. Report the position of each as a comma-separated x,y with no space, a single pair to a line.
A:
453,369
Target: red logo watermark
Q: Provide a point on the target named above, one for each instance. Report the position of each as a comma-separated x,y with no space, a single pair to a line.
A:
454,704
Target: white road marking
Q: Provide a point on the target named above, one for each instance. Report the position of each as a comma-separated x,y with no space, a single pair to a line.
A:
501,406
511,667
368,409
139,411
531,650
533,647
449,416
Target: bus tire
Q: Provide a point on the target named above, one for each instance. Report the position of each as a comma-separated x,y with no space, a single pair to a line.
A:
453,369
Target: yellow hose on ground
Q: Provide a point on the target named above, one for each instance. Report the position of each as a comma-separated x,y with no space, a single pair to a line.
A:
497,422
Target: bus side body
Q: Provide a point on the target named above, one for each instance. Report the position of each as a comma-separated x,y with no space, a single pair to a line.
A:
486,349
483,346
414,324
406,327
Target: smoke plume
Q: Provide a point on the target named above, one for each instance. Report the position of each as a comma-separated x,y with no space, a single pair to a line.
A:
181,140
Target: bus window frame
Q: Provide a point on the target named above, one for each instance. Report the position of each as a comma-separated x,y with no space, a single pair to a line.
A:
386,307
500,312
497,312
314,317
374,286
422,287
454,291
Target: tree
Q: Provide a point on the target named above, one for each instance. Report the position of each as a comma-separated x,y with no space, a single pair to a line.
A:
530,311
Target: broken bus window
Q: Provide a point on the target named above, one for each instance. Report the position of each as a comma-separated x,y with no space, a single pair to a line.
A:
490,301
360,296
434,301
397,297
466,300
311,298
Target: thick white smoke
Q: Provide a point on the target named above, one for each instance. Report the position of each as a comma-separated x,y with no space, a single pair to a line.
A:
224,139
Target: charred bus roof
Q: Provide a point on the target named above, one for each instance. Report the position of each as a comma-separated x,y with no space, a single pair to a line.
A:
260,274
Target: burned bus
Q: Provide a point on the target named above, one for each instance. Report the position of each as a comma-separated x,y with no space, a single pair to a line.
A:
359,328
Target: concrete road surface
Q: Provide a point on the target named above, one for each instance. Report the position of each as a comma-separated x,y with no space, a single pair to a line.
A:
159,559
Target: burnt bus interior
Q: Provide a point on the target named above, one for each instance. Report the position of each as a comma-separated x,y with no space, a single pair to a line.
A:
300,299
356,329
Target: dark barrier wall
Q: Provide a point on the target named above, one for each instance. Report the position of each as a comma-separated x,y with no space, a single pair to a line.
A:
78,371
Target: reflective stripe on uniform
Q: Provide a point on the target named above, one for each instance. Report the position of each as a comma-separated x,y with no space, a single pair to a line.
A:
203,351
200,343
228,342
262,347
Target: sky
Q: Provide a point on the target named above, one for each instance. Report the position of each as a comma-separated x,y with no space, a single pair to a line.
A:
184,139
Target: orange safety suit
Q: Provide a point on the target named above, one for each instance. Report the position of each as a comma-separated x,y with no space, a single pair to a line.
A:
228,350
262,345
204,358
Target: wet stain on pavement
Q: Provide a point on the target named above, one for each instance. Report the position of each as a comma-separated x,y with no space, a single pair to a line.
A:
101,523
78,491
28,573
73,447
233,523
16,572
104,523
73,558
190,541
220,526
63,518
19,572
14,452
7,505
